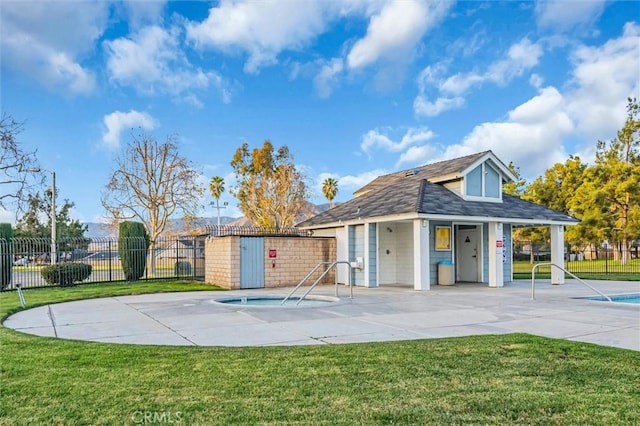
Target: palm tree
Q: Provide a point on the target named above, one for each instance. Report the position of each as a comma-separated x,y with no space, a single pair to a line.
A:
330,189
216,187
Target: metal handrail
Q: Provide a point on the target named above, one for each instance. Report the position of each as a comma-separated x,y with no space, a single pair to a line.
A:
331,265
581,281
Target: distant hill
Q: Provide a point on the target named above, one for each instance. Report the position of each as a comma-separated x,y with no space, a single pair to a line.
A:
101,230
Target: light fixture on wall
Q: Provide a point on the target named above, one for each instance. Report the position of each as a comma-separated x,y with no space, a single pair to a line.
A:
389,229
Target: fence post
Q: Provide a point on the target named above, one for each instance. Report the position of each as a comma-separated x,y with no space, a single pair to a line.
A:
110,266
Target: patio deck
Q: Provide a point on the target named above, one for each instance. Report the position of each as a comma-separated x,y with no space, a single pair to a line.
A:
377,314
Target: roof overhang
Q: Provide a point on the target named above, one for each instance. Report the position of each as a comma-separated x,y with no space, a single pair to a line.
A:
518,222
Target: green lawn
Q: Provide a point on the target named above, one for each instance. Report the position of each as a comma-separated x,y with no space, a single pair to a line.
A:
473,380
586,269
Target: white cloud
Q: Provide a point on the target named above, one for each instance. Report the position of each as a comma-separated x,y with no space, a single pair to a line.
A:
395,30
542,130
521,57
536,80
145,12
350,183
603,78
564,14
116,122
458,84
326,79
417,155
376,139
7,217
423,107
152,60
48,40
261,29
532,136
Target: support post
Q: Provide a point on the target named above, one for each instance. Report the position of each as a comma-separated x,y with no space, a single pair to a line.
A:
557,253
496,267
421,258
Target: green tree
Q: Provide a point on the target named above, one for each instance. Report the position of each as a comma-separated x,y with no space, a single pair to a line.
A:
515,188
271,191
330,189
556,189
216,187
611,192
70,232
133,246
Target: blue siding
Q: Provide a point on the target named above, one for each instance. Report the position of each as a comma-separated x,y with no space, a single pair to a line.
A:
437,256
508,247
356,249
373,255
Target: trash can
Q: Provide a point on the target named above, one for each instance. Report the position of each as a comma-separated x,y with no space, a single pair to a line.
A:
445,272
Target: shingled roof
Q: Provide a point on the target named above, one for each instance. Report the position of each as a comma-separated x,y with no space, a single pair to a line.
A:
406,193
428,171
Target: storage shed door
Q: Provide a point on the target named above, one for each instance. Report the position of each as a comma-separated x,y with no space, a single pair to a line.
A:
251,262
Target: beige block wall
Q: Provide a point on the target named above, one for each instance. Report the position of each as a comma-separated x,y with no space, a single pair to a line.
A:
295,258
222,261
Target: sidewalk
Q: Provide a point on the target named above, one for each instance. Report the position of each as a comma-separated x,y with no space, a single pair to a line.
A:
378,314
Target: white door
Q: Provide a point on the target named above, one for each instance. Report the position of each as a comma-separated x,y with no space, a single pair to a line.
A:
468,253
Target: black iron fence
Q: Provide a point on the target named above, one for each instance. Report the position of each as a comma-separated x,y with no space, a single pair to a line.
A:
96,260
601,260
254,231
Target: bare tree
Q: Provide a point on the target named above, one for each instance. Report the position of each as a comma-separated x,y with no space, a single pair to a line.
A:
151,183
16,166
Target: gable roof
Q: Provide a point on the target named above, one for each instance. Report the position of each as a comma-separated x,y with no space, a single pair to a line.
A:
438,172
405,193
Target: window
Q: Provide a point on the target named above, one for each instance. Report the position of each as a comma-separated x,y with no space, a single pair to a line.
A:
483,182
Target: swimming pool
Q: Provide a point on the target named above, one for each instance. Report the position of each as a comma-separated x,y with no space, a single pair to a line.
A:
276,301
633,298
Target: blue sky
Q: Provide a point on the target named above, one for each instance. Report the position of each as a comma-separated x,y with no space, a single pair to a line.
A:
354,88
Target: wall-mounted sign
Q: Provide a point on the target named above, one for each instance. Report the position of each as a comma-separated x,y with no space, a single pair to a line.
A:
443,238
273,253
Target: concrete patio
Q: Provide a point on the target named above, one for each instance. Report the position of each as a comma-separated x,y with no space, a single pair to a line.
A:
376,314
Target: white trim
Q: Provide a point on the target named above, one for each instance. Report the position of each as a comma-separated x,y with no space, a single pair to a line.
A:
483,184
431,216
421,256
483,199
504,171
557,253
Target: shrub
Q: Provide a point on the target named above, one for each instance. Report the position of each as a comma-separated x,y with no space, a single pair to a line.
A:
133,245
6,254
182,268
66,274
